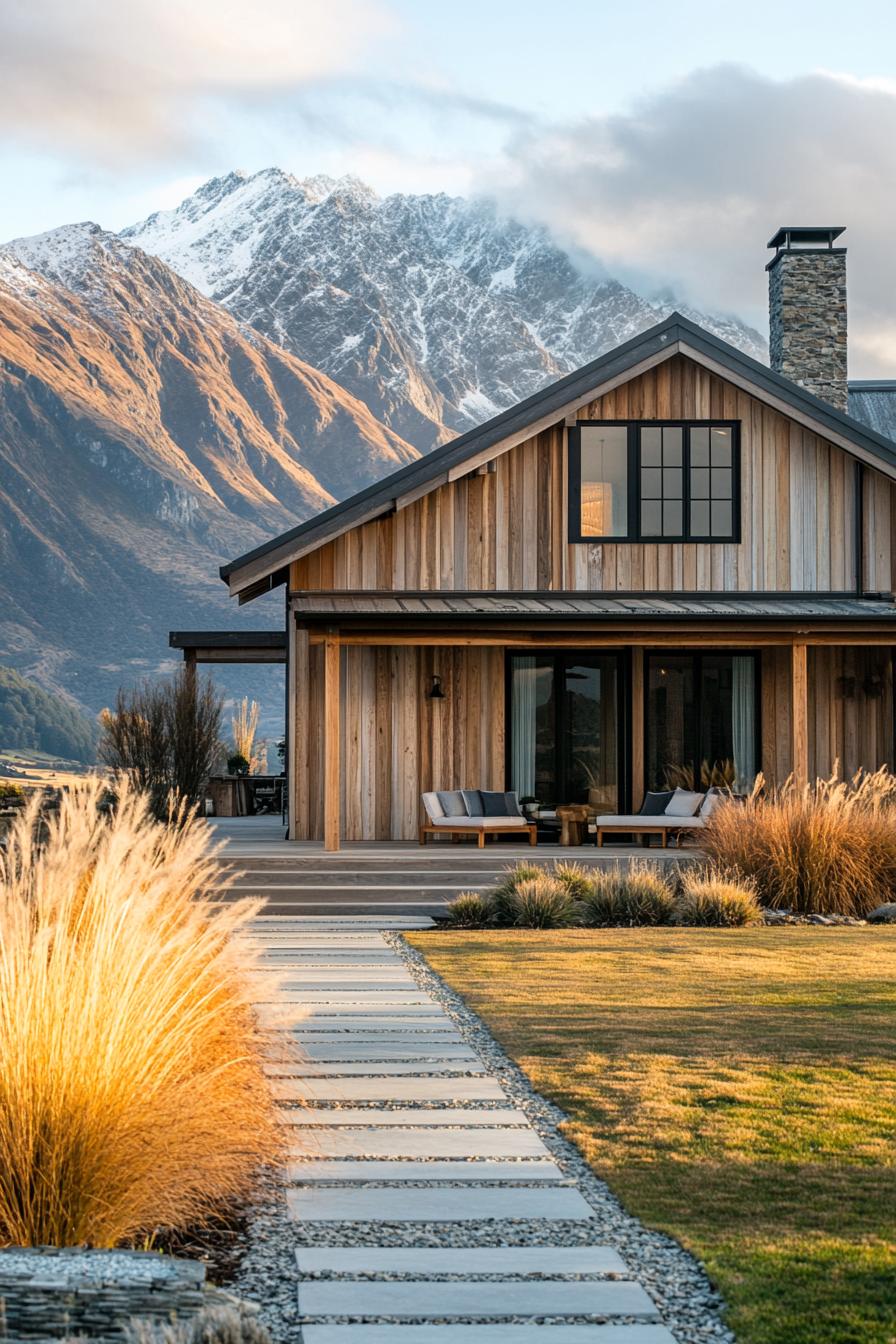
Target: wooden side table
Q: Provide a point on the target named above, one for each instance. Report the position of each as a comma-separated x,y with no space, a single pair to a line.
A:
573,818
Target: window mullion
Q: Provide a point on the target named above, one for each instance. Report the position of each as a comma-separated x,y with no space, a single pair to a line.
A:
686,482
634,475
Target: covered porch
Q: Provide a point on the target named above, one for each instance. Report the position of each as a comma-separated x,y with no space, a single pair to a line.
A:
601,697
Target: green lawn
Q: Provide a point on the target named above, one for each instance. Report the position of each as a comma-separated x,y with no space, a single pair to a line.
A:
736,1088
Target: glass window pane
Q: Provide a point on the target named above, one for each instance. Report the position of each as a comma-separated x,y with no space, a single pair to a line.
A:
721,482
699,447
671,447
699,518
721,518
672,482
588,727
721,447
699,483
651,454
604,483
671,722
651,512
532,727
672,518
651,483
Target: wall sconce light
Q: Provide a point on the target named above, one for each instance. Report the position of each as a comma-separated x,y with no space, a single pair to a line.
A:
846,687
873,686
435,691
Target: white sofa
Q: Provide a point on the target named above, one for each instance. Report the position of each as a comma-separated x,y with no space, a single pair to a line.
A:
439,822
676,820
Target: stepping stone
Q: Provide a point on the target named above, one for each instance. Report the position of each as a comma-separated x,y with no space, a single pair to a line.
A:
388,1089
427,1204
543,1261
328,1297
312,974
317,988
302,1173
486,1334
420,1143
328,1048
309,1116
410,1020
355,1000
393,1068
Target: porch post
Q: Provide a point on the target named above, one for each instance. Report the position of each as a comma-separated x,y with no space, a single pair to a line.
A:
800,714
637,721
332,782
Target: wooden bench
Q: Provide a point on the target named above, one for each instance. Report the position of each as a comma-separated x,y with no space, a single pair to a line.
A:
489,826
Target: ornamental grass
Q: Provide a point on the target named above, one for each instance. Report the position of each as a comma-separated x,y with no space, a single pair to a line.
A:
825,848
132,1093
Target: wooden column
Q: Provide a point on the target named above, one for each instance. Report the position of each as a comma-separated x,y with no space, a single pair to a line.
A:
637,720
800,713
298,741
332,781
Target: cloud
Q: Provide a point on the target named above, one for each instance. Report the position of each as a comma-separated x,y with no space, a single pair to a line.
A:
118,80
687,187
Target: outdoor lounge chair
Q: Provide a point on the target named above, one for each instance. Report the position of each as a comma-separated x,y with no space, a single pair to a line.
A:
449,813
683,812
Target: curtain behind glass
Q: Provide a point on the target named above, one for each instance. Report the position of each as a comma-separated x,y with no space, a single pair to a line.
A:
743,721
522,719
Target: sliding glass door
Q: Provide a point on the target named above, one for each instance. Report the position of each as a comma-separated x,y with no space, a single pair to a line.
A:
564,721
702,721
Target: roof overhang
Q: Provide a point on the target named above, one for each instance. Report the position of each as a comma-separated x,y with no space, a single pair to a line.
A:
230,646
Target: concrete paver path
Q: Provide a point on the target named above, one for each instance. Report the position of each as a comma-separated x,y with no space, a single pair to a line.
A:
399,1123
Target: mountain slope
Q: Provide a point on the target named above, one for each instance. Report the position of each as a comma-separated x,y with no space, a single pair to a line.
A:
145,435
433,310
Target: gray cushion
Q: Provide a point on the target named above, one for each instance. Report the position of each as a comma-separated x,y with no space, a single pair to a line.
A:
710,802
683,803
473,802
513,804
655,804
452,803
478,823
494,804
432,805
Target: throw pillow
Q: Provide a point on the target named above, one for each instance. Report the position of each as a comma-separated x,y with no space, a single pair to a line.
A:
654,804
452,803
513,805
683,804
493,804
710,802
472,802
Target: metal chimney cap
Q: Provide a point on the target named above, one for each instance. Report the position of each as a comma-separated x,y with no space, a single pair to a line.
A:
791,237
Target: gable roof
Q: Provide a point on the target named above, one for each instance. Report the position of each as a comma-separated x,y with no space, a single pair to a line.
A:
265,567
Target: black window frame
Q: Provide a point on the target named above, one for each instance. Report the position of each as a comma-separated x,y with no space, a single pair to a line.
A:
634,535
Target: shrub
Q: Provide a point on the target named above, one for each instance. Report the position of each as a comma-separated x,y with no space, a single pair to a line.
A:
709,897
502,895
827,848
541,903
10,791
469,910
166,737
639,894
574,877
132,1090
237,764
237,1324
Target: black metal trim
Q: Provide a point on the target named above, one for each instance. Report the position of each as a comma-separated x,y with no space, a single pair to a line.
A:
227,639
635,536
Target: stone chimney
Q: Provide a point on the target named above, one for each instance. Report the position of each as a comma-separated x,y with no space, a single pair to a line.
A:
807,311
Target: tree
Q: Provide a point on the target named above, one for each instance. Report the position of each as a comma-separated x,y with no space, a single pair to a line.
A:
166,736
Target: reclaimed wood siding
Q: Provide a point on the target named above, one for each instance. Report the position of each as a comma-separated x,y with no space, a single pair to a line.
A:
507,528
396,743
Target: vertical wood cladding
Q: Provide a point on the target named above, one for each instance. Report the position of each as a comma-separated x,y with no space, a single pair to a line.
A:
507,528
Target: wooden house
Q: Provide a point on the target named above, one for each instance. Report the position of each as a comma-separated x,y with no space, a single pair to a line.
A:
675,565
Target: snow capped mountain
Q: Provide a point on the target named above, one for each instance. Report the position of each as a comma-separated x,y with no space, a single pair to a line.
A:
146,435
434,310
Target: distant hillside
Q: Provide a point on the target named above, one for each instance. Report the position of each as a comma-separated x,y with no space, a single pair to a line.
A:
35,720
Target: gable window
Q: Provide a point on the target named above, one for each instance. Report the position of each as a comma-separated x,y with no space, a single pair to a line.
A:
654,481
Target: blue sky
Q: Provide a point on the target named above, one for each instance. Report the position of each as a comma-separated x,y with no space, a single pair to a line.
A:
667,140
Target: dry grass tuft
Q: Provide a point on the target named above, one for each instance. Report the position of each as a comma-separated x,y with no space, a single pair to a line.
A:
575,877
710,898
132,1094
639,894
469,910
827,848
542,903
